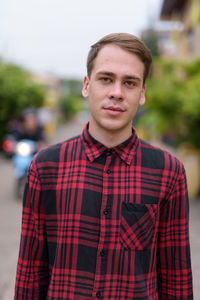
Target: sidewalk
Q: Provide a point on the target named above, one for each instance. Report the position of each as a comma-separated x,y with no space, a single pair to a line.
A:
10,214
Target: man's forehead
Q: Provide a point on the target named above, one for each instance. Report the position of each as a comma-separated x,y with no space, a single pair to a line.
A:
111,47
111,52
114,59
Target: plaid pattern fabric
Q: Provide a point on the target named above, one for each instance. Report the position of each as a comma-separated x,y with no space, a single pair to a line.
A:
104,223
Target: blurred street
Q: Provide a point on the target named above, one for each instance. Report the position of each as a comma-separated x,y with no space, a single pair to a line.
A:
10,215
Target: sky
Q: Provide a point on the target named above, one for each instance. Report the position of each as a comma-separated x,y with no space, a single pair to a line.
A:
54,36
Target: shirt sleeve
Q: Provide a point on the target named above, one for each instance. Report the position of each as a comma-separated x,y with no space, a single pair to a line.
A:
32,269
174,263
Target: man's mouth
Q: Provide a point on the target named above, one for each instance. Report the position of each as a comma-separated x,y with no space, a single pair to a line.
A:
114,108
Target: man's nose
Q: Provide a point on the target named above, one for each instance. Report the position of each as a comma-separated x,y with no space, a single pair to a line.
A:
116,91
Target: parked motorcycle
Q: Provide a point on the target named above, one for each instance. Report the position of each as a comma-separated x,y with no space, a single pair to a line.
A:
22,153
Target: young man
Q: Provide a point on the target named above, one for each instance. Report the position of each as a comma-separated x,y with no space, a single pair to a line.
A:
106,214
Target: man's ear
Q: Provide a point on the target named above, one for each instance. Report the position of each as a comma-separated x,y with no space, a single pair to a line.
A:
85,92
142,97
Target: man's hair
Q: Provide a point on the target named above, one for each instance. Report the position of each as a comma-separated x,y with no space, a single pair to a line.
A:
127,42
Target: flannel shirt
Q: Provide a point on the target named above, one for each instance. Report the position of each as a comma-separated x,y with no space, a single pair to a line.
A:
103,223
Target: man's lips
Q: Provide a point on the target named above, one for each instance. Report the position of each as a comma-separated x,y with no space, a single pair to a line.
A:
114,108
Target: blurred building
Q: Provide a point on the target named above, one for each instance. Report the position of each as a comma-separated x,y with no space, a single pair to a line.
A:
52,86
48,114
166,47
187,40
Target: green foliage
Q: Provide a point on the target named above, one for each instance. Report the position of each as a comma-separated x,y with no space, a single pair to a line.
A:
173,102
71,101
17,91
190,110
192,68
71,104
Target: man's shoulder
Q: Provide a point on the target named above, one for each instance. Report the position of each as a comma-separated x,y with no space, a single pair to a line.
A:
53,153
156,157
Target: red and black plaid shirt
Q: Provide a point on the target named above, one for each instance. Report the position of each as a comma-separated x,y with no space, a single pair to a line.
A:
104,223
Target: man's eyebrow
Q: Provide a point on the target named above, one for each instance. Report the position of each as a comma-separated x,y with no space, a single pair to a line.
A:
105,73
133,77
129,77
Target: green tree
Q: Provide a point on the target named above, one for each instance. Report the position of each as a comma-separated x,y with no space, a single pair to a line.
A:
17,91
70,105
190,111
71,101
173,102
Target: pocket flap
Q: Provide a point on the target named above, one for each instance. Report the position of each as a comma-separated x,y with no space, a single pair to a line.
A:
138,225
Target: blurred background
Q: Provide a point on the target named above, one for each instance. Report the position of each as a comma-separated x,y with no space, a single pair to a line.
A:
43,51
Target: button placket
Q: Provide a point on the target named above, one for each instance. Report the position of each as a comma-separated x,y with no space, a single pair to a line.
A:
109,152
98,294
106,211
108,171
102,257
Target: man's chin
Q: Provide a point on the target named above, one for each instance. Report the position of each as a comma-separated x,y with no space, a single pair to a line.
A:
114,126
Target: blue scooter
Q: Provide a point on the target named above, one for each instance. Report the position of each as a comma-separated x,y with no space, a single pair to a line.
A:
23,155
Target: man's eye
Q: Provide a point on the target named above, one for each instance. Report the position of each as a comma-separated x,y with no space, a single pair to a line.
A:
105,79
130,83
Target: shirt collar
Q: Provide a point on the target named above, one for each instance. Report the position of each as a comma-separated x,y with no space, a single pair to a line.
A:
94,149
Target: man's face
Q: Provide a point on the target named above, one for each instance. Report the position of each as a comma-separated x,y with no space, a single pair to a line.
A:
30,123
115,89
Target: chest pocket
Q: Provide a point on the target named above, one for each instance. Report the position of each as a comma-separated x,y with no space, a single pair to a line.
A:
138,223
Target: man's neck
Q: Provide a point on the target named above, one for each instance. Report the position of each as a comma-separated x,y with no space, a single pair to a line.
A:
108,138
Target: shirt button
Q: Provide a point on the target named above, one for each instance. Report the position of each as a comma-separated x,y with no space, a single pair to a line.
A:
108,153
98,294
106,211
102,253
108,171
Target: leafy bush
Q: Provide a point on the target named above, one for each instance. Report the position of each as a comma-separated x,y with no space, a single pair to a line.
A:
17,91
173,102
70,105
